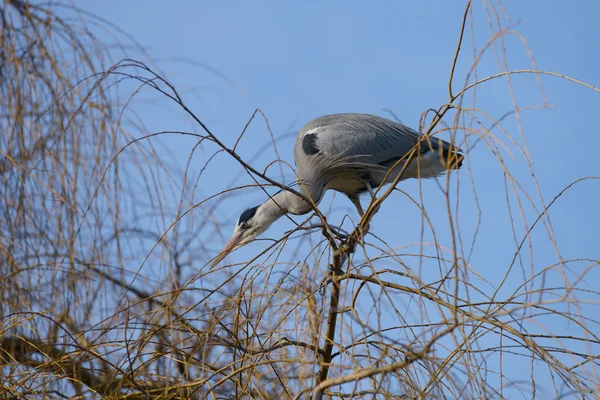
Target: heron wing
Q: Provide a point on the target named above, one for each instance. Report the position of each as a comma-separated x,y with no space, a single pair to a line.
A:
359,139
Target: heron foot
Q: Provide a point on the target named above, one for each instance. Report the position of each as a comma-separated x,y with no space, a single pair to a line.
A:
363,232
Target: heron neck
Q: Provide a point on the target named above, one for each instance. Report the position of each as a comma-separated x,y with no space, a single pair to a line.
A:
287,202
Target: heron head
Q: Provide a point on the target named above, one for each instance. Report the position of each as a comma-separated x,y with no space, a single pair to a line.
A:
252,222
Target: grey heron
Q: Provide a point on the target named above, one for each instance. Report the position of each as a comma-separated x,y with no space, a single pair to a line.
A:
351,154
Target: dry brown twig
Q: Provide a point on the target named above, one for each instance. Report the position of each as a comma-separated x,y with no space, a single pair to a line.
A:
106,296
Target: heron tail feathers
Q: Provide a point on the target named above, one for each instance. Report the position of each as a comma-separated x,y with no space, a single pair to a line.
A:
451,159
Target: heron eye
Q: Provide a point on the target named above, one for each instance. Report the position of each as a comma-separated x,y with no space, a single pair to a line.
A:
244,225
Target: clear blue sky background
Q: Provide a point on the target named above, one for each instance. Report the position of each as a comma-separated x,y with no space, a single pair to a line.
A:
299,60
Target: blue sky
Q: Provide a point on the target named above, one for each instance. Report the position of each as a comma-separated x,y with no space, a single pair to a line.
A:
296,61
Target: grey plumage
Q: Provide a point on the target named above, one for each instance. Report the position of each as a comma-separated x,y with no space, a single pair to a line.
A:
349,152
352,154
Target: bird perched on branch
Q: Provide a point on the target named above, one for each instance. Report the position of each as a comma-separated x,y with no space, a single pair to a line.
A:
352,154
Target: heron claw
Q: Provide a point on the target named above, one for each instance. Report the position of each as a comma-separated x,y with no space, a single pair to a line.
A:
363,233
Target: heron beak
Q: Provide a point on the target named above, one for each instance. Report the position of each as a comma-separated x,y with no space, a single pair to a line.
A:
229,247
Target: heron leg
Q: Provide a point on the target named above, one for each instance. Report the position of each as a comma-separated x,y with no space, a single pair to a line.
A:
370,190
372,193
355,199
